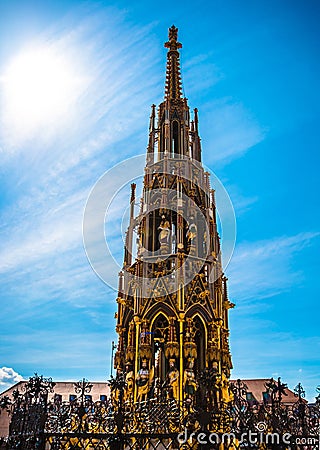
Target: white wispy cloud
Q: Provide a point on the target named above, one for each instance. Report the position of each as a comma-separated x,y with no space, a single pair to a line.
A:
240,202
56,171
229,130
258,273
46,280
263,269
272,354
108,82
199,74
44,242
227,127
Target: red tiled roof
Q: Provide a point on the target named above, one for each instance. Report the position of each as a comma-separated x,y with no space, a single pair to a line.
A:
257,387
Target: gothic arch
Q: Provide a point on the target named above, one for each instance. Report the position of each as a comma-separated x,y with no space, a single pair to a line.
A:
175,137
199,310
128,319
159,328
159,308
200,339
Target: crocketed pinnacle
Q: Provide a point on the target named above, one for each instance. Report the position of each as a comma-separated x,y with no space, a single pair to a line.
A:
173,75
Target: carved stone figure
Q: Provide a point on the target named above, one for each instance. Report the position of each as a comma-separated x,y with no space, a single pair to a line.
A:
116,389
192,235
128,392
189,380
204,244
144,381
226,394
165,229
173,380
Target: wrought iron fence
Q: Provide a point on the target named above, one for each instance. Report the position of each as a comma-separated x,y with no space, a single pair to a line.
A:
160,423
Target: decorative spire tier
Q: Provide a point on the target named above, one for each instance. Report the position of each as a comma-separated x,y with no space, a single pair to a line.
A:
173,75
175,134
173,302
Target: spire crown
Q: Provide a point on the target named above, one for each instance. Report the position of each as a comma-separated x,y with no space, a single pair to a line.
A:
173,43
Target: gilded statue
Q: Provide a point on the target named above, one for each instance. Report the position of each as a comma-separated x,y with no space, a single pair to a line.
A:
164,228
144,381
115,387
192,233
189,379
129,378
226,394
173,380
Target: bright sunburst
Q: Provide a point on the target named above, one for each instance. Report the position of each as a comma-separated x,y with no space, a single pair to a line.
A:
39,86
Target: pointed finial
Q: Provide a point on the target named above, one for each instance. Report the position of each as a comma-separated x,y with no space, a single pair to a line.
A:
196,120
173,32
173,43
152,118
133,190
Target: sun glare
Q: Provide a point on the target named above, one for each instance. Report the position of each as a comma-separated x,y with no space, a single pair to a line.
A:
39,86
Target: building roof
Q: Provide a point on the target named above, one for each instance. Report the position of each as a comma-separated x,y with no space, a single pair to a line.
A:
257,387
63,387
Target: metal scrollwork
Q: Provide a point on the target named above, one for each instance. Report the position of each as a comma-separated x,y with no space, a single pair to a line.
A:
116,424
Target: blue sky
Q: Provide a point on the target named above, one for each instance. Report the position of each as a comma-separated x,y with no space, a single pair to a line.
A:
252,70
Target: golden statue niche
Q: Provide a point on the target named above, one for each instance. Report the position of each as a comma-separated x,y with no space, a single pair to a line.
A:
173,380
173,301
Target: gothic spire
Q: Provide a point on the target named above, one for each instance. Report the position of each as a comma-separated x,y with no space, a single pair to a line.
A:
173,75
172,300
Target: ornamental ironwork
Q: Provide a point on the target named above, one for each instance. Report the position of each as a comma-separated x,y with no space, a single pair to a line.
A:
42,422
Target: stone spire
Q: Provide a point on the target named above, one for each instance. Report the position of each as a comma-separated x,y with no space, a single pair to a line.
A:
173,75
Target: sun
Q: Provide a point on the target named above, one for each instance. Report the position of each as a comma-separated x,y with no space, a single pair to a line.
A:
39,86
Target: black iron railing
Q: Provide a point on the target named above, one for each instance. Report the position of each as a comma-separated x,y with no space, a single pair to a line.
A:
161,423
